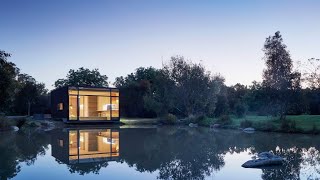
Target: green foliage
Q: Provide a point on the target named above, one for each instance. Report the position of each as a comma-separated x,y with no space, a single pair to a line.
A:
83,77
288,125
29,94
169,119
8,74
240,109
203,120
246,123
4,123
224,120
279,80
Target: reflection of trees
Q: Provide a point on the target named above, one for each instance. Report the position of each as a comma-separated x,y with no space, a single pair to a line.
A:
176,153
196,153
86,168
20,147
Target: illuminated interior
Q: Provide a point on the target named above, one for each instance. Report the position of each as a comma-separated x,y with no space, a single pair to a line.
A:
93,104
88,146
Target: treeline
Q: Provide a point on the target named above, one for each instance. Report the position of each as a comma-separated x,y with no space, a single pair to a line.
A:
20,94
182,88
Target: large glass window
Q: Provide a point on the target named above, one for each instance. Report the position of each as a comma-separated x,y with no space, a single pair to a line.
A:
93,104
115,106
73,107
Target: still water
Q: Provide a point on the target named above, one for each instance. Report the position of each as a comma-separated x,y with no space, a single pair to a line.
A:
153,153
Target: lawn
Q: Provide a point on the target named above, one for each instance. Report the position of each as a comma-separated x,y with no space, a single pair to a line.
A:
303,123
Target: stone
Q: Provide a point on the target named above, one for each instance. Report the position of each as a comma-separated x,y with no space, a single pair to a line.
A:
264,159
249,130
193,125
15,128
214,125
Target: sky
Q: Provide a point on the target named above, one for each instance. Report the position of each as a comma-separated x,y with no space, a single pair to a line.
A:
48,38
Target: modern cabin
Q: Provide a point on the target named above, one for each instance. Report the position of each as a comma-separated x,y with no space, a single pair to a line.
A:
85,104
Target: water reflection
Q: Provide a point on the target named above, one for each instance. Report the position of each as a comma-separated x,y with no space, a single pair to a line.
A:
85,150
163,153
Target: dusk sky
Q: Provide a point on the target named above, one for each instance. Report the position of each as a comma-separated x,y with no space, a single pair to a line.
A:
47,38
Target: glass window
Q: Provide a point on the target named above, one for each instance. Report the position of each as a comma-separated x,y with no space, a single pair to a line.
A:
60,107
115,106
73,106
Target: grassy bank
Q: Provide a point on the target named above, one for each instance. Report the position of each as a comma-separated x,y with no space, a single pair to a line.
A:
293,123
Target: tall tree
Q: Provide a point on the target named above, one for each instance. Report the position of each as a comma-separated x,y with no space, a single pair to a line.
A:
28,95
278,77
8,73
83,77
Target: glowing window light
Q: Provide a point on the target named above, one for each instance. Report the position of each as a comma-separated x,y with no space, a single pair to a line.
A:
105,107
108,140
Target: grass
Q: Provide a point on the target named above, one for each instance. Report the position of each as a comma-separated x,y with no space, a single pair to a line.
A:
302,123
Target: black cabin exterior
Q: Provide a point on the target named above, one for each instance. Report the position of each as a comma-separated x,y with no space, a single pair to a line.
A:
85,104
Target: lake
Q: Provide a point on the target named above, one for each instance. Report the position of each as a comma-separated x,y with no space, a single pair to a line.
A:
153,153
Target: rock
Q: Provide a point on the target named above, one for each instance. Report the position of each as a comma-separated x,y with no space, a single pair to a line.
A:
193,125
248,130
15,128
264,159
214,125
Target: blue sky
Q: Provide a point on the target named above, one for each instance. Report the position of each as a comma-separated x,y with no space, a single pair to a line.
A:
47,38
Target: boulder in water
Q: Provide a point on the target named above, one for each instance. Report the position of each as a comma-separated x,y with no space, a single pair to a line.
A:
264,159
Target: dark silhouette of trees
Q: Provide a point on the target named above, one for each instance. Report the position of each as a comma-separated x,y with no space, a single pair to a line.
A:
8,73
83,77
279,80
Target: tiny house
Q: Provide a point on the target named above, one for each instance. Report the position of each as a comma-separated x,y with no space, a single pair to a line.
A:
85,104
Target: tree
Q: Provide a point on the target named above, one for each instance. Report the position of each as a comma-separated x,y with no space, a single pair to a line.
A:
134,87
29,93
279,78
196,90
83,77
311,73
8,73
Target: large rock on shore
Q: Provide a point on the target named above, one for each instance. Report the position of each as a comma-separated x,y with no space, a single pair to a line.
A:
264,159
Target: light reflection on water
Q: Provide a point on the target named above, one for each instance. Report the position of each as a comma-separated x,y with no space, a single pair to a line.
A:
153,153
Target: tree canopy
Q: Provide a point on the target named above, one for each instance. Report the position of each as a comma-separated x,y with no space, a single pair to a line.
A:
83,77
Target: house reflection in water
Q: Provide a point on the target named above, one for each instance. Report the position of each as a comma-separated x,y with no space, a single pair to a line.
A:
73,146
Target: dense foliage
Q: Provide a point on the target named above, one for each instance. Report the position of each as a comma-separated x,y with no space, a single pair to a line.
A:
20,93
83,77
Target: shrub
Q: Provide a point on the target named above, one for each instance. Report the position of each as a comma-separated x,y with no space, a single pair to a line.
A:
169,119
246,123
20,122
4,122
314,129
240,110
224,120
204,120
288,125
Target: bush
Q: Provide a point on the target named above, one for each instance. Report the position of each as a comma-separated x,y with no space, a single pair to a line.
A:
246,123
4,122
240,110
224,120
204,120
169,119
288,126
20,122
